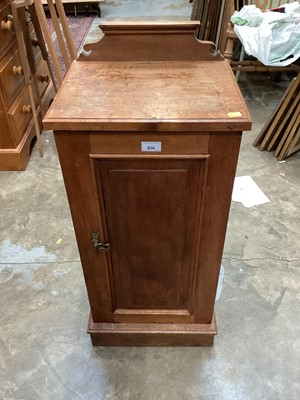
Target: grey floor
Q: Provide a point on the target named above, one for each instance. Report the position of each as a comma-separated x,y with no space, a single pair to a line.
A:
45,352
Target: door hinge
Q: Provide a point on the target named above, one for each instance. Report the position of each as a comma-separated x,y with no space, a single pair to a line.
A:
98,245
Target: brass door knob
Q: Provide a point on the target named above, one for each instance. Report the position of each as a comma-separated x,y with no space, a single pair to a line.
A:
44,78
7,26
27,109
17,70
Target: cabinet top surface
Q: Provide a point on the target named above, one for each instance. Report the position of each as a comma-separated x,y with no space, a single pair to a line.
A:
149,96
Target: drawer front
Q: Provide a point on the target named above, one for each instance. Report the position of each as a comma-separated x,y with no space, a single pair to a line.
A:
7,34
149,143
11,75
42,77
20,114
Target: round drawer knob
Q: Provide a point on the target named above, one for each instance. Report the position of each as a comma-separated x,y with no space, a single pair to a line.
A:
34,42
44,78
7,26
27,109
17,70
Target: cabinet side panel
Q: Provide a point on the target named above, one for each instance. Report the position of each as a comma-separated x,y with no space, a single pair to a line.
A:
73,150
224,150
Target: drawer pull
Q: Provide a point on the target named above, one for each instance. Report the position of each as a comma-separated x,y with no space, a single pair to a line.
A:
7,26
27,109
34,42
17,70
44,78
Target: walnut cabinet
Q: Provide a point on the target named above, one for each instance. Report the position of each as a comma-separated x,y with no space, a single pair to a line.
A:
148,139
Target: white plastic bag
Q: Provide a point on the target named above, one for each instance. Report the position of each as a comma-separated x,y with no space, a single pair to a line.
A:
271,37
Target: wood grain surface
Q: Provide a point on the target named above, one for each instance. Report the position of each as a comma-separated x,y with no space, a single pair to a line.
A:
6,37
150,41
147,334
73,149
126,143
17,159
9,81
151,214
145,96
19,120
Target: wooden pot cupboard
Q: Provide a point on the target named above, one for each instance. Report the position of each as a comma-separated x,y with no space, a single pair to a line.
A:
148,131
16,118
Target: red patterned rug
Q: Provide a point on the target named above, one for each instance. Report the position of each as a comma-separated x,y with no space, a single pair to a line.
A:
79,27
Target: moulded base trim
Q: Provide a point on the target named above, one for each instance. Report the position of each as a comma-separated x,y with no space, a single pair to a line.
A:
144,334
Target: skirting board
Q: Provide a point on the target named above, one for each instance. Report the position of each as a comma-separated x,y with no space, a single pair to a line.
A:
144,334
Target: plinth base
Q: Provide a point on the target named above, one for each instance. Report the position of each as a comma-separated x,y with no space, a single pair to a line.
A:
143,334
17,159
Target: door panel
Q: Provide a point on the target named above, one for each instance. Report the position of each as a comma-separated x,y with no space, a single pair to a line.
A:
152,214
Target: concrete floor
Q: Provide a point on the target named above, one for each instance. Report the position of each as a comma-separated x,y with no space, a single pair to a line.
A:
146,10
45,352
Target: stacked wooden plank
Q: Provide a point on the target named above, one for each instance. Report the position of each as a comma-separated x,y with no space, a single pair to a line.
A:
211,15
281,132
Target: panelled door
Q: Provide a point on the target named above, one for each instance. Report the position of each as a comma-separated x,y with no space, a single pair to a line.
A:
151,213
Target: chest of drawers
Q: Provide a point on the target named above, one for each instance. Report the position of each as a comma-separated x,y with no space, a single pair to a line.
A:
16,120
